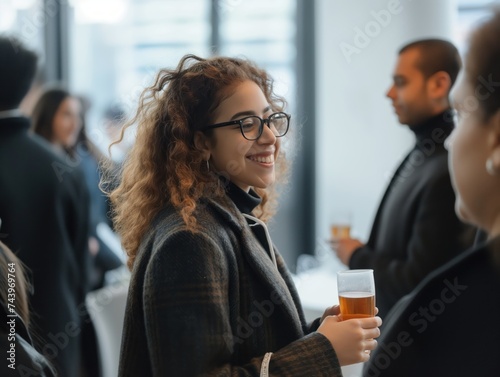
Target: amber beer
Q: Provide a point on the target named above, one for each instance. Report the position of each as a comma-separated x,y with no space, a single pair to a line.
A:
357,305
356,290
340,231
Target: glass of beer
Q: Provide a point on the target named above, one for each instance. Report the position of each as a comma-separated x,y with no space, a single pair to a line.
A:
356,293
340,225
340,231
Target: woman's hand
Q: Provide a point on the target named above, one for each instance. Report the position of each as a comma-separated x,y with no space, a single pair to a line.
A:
353,339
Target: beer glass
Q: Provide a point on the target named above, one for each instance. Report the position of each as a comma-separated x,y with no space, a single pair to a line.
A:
356,293
340,225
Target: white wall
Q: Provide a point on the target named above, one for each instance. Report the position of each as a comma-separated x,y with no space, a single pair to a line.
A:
360,142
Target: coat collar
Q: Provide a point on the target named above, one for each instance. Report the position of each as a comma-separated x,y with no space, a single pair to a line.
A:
245,201
258,259
441,124
263,267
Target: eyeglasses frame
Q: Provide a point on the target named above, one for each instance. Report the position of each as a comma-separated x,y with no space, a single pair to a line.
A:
262,123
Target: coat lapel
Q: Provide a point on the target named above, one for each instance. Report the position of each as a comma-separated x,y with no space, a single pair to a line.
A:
260,262
376,221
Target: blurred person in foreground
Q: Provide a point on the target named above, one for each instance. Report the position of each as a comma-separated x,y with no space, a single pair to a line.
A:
44,208
415,229
447,326
209,293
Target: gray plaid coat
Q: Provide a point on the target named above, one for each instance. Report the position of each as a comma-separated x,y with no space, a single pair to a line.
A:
213,304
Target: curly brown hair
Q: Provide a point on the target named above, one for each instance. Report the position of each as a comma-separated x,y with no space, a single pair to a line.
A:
164,166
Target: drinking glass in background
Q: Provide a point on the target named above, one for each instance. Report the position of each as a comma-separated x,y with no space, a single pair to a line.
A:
356,293
340,225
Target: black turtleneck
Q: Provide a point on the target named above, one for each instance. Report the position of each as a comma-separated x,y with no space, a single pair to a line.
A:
244,201
436,128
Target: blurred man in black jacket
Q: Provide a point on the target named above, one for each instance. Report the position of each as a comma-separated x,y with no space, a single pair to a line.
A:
415,229
44,210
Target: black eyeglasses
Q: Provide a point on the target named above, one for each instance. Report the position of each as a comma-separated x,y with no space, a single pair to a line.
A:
252,126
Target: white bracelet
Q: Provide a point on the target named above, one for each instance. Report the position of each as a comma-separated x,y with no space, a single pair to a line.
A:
264,368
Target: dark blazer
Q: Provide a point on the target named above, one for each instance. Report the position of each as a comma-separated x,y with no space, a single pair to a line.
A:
213,304
448,325
416,229
44,211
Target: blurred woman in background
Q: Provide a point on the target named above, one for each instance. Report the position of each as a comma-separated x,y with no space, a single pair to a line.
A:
57,118
60,118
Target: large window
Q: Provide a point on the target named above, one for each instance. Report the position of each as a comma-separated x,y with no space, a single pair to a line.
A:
26,20
118,46
264,31
108,51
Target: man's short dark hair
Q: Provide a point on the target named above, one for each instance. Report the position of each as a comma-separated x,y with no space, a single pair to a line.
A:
18,66
436,55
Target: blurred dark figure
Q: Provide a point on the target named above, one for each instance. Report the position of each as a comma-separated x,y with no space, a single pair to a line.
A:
415,230
447,325
44,206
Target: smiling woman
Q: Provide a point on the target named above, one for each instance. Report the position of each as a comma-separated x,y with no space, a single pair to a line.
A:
248,161
209,293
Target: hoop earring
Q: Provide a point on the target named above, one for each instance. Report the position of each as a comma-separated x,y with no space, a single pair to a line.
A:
490,168
208,166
